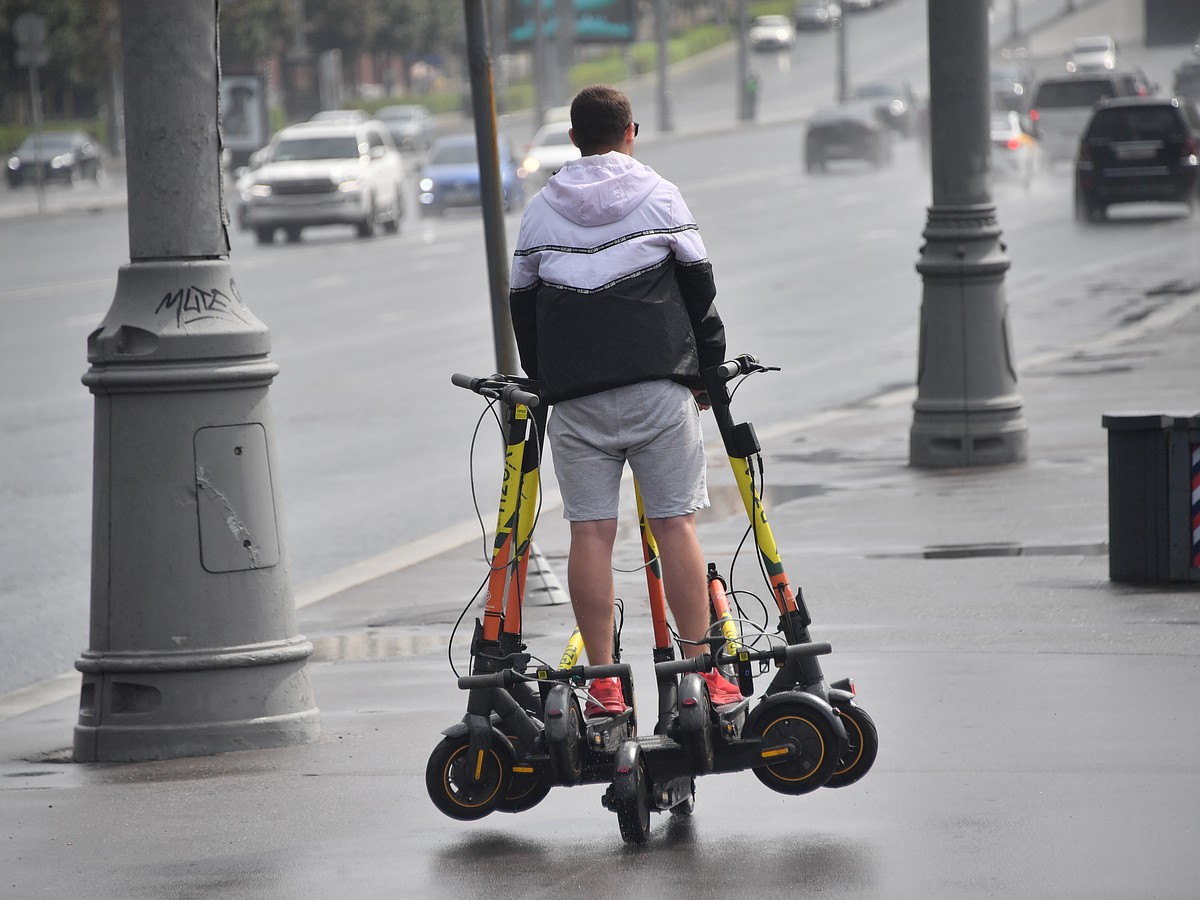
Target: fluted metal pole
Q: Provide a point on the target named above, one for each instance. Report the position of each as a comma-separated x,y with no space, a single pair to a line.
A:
967,411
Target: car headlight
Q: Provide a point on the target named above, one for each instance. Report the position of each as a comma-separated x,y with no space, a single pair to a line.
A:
258,189
896,107
59,161
351,185
531,165
14,163
425,184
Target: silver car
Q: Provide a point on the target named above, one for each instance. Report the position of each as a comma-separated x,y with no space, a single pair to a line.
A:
324,173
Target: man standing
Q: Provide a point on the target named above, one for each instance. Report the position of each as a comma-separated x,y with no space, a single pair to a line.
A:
612,305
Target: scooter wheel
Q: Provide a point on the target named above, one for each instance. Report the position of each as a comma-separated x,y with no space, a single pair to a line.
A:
449,781
632,800
529,787
688,806
695,723
564,735
815,733
862,745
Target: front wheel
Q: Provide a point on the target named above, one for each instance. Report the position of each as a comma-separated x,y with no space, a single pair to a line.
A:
862,745
465,788
631,789
366,228
816,736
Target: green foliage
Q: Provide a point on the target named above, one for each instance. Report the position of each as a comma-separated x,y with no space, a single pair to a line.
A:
12,135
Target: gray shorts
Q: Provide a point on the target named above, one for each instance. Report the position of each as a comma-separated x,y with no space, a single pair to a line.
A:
654,425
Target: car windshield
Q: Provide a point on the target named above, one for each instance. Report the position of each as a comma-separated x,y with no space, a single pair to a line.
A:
458,153
1092,47
772,21
877,90
316,148
397,114
554,139
1144,123
1072,93
47,142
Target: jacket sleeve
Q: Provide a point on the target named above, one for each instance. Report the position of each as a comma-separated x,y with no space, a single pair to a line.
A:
523,310
699,292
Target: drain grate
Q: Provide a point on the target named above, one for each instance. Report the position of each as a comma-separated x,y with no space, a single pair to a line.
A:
983,550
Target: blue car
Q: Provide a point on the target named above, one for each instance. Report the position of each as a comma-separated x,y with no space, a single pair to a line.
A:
450,176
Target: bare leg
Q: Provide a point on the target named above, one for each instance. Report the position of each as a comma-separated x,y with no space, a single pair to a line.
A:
590,581
684,578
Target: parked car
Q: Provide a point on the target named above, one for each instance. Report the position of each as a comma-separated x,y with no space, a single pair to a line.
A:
849,131
411,125
1138,149
1063,104
549,149
340,115
895,100
61,155
325,173
1186,82
1092,54
1012,87
810,14
772,33
450,176
1016,156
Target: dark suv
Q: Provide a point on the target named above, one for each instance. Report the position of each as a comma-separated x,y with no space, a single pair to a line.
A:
1137,149
1063,104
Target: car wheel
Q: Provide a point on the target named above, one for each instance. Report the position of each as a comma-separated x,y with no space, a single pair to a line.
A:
293,234
814,163
264,235
392,224
366,228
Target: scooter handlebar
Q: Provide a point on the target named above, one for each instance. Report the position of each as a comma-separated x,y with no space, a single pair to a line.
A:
497,387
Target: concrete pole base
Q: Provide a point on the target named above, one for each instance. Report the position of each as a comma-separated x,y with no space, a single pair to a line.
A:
137,707
956,440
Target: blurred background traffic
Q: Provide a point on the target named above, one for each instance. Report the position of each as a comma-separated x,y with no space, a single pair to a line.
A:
389,77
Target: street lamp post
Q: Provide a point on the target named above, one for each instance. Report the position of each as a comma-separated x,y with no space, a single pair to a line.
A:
192,647
967,411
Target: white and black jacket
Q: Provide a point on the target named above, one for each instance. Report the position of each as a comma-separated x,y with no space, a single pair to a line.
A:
611,284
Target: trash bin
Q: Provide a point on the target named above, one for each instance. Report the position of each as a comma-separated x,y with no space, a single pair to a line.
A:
1153,497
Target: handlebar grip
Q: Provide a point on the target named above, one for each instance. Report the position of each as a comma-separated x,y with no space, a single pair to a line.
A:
820,648
608,670
465,381
700,663
512,395
490,680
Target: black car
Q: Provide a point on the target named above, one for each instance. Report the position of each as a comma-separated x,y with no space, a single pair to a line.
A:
1186,81
849,131
895,100
1137,149
62,156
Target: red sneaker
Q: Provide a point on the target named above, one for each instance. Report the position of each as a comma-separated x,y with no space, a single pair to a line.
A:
721,691
605,698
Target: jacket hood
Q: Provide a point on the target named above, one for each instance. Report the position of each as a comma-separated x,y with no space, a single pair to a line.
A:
600,189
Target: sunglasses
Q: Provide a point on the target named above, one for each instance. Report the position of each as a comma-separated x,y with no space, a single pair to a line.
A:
635,129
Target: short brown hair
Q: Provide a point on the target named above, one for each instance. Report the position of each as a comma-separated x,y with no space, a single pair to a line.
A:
599,116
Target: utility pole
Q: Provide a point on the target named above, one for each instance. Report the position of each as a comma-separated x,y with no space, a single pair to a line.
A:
967,411
192,648
662,32
491,192
843,64
745,108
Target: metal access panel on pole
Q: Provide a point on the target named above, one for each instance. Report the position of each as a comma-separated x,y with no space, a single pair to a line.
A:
967,411
192,647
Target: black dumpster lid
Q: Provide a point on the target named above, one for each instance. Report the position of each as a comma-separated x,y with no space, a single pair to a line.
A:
1145,421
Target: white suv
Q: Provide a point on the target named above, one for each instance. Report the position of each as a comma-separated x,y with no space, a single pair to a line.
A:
324,173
